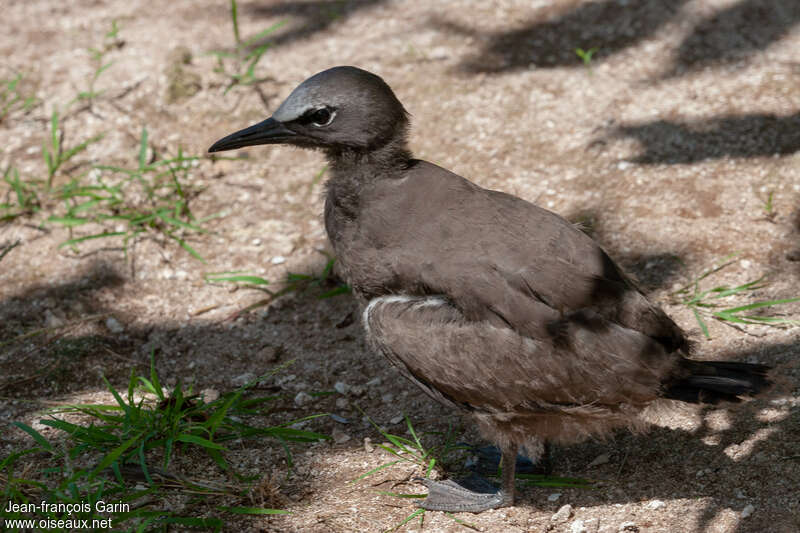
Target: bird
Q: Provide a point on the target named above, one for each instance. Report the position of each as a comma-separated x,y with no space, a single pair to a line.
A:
493,306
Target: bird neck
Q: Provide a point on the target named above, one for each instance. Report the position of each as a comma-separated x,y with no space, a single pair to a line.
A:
353,171
368,164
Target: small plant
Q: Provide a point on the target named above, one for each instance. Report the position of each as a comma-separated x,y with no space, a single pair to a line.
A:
12,99
769,208
137,439
110,41
294,283
55,155
711,303
246,54
586,55
22,198
148,198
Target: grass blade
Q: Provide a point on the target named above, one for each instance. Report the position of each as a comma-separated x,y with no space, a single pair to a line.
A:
35,435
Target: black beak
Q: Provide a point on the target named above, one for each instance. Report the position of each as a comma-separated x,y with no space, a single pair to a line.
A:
269,131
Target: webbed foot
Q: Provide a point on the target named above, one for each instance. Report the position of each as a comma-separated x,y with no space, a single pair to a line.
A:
471,495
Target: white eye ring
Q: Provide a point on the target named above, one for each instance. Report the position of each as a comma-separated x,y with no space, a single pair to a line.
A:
322,117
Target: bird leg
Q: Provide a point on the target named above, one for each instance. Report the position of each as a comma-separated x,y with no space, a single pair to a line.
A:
474,494
486,461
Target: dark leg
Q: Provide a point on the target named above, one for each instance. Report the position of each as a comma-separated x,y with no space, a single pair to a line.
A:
509,471
486,461
455,497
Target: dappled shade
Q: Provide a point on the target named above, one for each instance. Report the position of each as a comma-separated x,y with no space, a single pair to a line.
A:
316,16
736,33
551,38
755,135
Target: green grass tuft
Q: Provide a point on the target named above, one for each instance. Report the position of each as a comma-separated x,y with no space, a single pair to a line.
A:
136,439
715,303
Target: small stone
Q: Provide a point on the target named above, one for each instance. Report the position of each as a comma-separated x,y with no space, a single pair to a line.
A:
656,504
51,320
624,165
209,395
554,497
338,435
592,525
303,398
368,447
577,527
341,387
373,382
243,379
601,459
563,513
278,260
397,419
342,403
357,390
256,242
387,398
113,325
748,510
628,526
268,354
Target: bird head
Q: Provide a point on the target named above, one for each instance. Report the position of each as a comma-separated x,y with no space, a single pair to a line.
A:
338,110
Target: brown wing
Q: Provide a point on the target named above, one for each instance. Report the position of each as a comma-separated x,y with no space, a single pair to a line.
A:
519,266
481,367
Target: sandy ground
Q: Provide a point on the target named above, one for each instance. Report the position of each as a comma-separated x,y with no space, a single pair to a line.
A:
667,145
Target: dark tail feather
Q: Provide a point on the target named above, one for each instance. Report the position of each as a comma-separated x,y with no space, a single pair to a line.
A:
713,382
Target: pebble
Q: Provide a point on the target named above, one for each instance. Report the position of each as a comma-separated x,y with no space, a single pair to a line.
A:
577,527
341,387
209,395
113,325
748,510
51,320
278,260
373,382
303,398
397,419
268,354
628,526
342,403
387,398
368,447
656,504
243,379
339,436
357,390
601,459
563,513
554,497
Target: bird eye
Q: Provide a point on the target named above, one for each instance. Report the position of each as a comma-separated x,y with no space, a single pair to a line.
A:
322,117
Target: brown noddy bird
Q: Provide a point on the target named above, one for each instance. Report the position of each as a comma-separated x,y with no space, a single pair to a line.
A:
490,304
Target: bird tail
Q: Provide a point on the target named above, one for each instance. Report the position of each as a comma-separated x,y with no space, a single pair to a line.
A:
714,381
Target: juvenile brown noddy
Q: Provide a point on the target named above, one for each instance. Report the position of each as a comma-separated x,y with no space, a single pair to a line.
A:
489,303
